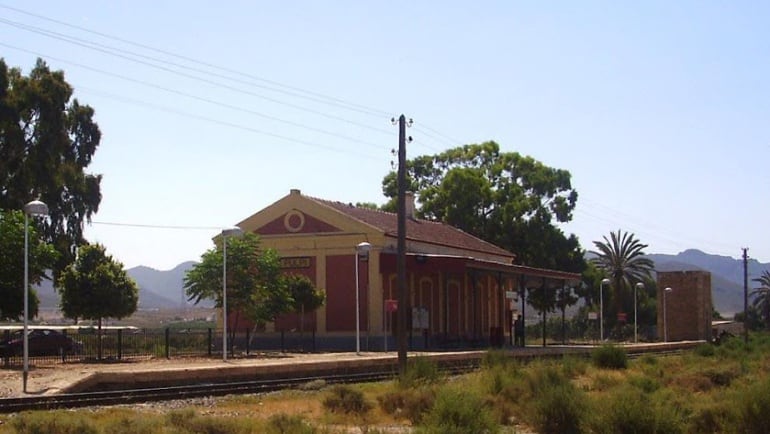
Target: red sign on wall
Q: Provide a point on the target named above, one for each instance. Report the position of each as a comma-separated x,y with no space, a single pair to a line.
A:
391,306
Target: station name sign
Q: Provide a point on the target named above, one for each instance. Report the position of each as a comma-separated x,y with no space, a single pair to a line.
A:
297,262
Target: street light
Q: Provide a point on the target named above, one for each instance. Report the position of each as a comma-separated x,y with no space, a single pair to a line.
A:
34,208
231,232
362,249
639,285
601,308
665,322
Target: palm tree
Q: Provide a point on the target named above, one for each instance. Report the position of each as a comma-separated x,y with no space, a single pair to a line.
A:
761,301
622,259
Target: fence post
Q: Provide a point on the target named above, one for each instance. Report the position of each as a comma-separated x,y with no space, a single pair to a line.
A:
283,349
248,339
6,359
62,353
168,343
209,343
120,344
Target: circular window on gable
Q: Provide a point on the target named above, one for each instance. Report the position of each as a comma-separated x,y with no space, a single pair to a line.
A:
294,221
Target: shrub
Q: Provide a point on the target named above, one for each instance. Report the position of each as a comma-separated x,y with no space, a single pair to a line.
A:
705,350
542,377
644,383
133,425
344,399
493,358
419,370
458,412
58,422
497,380
630,411
288,424
721,377
610,357
189,421
752,409
559,408
411,404
573,366
710,419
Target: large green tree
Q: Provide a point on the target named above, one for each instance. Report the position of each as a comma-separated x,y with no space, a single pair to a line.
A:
256,288
96,286
508,199
41,257
47,140
761,298
622,260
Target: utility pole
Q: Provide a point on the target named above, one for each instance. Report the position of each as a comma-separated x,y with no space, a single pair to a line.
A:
403,295
745,295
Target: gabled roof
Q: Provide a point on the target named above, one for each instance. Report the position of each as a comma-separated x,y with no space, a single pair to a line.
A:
416,229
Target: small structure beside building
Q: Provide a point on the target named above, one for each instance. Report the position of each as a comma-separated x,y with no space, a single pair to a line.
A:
462,289
685,311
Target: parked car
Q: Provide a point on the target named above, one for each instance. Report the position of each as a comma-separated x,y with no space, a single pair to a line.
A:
42,342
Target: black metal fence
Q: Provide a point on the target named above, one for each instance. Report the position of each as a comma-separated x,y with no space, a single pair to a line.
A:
129,343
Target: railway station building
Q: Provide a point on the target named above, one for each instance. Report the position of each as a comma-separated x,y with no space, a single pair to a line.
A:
463,291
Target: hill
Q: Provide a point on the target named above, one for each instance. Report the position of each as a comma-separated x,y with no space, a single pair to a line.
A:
726,275
158,289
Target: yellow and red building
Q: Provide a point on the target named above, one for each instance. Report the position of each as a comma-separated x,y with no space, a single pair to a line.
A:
462,289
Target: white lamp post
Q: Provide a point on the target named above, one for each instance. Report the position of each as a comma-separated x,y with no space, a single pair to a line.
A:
665,322
601,308
33,208
638,286
232,232
362,249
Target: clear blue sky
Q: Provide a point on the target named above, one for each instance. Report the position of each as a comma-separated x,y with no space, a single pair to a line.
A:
659,109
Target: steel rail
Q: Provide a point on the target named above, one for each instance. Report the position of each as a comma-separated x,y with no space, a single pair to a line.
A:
107,398
132,396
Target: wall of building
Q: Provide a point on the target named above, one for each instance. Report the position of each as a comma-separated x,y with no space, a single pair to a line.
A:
687,311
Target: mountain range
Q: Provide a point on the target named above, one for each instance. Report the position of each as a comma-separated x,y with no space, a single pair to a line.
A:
164,289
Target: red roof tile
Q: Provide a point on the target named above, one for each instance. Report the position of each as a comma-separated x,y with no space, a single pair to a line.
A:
416,229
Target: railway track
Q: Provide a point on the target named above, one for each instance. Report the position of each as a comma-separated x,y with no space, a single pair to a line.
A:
106,398
93,399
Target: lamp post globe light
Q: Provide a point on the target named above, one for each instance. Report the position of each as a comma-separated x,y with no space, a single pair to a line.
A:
231,232
665,318
362,250
34,208
638,286
601,308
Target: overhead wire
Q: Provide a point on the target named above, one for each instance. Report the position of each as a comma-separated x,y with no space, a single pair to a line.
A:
424,129
646,233
110,51
228,124
351,106
157,226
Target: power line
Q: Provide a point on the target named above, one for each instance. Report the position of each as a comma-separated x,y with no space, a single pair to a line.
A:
279,136
677,241
150,226
227,124
334,100
203,80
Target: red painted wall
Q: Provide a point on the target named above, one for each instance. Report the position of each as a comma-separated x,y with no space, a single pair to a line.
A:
341,293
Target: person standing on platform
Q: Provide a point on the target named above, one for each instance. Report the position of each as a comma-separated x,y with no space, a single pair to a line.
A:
518,331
